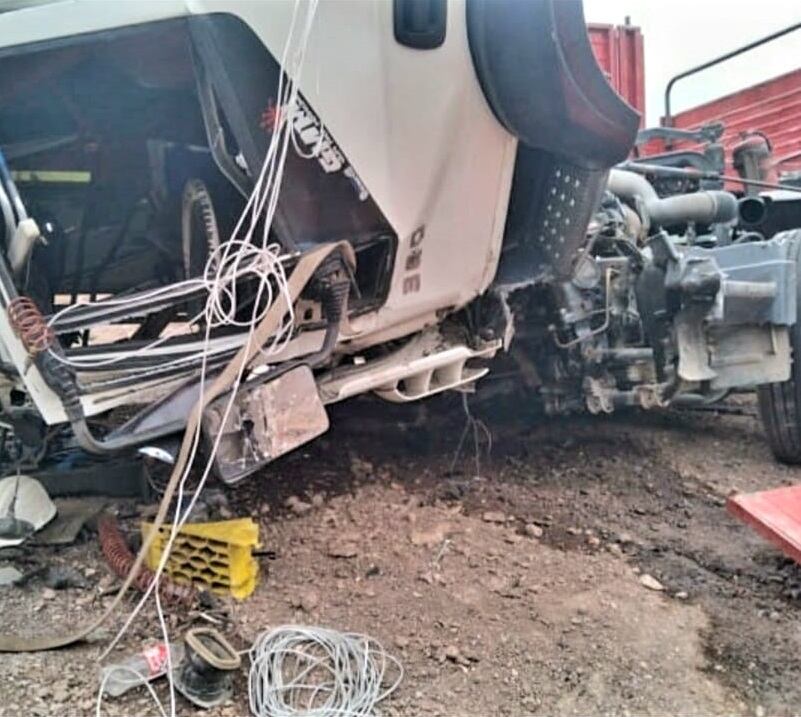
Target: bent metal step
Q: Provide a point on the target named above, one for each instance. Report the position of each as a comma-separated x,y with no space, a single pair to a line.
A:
426,365
775,514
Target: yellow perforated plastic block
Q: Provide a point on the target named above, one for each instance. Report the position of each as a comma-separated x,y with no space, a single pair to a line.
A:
215,556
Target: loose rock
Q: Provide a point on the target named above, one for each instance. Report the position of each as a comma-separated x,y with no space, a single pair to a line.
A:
307,600
452,653
650,582
297,506
493,516
9,575
60,577
361,469
533,531
430,537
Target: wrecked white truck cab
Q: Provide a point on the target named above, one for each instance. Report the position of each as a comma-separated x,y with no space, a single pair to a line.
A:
440,168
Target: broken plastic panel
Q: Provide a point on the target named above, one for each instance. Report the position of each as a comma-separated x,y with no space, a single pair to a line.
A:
265,422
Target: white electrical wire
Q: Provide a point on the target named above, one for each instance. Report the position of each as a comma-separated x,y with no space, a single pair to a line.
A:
319,672
222,273
221,304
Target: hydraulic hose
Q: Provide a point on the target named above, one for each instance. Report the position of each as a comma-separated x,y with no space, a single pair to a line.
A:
707,207
710,207
334,298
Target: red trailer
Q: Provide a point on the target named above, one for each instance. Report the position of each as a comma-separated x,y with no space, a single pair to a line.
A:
771,108
619,51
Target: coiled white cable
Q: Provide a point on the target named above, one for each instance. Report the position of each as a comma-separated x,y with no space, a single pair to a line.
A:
318,672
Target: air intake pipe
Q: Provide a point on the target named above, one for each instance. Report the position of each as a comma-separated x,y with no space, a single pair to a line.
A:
708,207
752,210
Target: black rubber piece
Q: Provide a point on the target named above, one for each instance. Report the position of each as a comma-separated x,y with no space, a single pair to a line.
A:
780,403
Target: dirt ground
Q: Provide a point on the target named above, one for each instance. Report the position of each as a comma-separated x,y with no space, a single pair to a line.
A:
515,587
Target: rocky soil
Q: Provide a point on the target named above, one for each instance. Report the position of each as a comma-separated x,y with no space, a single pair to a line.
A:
583,566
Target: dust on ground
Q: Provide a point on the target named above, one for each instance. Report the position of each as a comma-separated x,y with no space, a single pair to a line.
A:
528,584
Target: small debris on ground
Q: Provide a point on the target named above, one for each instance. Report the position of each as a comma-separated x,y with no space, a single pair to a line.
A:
342,549
9,575
60,577
297,506
493,516
533,531
430,537
306,599
650,582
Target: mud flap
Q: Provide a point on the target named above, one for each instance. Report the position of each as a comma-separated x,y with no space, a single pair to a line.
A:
540,77
539,74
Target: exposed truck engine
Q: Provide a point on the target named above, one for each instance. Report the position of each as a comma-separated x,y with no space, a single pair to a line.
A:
221,217
671,302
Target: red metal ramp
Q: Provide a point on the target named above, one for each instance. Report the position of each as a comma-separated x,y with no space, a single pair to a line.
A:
775,514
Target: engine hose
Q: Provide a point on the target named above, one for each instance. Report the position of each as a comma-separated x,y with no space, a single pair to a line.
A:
707,207
710,207
334,298
299,278
62,380
120,559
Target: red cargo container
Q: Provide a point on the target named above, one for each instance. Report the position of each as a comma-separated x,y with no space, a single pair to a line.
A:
772,107
619,51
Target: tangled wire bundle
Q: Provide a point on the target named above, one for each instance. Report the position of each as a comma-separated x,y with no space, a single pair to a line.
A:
318,672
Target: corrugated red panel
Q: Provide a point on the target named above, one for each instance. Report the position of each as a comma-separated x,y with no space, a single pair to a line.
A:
772,107
619,52
602,39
